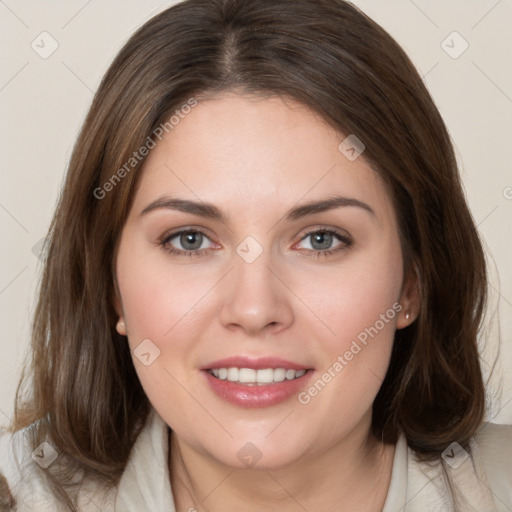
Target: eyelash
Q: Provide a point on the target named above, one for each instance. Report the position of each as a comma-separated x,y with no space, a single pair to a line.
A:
164,243
346,241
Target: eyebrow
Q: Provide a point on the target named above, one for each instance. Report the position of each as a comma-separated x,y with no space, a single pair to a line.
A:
210,211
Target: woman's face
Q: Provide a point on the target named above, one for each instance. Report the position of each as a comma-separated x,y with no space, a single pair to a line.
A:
260,281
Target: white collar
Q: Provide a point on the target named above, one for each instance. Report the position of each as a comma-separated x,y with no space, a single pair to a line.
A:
418,486
145,484
397,492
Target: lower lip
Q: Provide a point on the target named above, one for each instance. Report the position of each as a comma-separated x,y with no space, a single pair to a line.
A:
254,396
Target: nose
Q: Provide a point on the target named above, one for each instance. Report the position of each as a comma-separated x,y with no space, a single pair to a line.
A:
255,298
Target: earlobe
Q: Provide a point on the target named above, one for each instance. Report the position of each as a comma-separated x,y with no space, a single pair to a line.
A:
409,300
121,327
406,316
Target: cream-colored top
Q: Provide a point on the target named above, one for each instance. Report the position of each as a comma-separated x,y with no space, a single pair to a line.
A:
481,478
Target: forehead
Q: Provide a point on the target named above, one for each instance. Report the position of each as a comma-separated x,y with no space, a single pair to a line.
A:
248,151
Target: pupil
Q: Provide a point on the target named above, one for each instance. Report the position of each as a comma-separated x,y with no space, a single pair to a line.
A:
192,238
323,238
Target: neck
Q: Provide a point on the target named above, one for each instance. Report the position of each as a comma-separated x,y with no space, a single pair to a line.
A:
353,475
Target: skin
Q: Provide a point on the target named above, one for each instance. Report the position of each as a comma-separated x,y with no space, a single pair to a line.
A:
256,158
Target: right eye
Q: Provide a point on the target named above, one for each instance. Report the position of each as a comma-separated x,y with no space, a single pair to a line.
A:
191,241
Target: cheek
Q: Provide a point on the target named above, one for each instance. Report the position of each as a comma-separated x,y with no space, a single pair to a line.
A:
360,306
170,305
352,329
356,295
163,307
159,298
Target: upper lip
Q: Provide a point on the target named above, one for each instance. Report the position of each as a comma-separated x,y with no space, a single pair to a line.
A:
257,363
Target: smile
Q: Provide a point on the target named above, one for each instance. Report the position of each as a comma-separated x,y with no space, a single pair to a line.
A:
250,376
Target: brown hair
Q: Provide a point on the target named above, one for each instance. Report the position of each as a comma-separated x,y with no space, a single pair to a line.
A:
84,394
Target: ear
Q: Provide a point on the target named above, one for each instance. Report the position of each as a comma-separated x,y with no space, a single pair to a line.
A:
118,306
410,299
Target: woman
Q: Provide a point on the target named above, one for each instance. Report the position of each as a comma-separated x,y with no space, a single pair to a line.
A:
263,285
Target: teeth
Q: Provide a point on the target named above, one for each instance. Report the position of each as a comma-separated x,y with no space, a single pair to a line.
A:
246,375
279,374
290,374
265,376
233,374
250,376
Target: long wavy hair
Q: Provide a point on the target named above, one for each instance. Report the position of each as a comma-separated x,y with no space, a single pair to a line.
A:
81,390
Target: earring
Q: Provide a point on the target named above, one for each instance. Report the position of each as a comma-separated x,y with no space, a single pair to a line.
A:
407,315
121,327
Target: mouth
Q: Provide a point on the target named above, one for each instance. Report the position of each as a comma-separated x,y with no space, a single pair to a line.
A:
256,382
256,377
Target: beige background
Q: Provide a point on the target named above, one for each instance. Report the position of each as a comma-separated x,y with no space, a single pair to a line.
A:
43,102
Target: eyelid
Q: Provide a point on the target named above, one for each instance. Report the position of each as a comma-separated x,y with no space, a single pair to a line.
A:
164,241
343,237
341,233
171,233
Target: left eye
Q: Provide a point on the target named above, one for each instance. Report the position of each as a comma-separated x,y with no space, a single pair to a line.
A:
322,240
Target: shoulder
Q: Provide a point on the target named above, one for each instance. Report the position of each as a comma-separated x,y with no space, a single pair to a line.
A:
23,483
477,476
494,443
20,481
